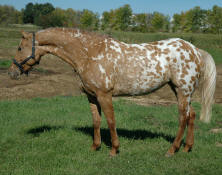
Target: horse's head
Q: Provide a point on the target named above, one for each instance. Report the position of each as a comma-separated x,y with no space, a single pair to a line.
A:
26,56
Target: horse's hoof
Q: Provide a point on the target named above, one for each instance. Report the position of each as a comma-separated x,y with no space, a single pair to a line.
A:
169,154
113,153
187,149
95,147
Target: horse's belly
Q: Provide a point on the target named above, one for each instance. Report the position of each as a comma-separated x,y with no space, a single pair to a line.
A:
139,76
138,85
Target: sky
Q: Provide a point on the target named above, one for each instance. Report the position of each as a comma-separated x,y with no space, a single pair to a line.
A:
167,7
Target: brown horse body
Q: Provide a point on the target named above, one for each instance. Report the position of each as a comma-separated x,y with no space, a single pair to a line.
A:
107,68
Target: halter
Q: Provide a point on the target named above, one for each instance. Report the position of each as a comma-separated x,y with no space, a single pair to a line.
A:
20,65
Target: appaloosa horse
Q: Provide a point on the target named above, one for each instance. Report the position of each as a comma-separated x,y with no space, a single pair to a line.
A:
107,67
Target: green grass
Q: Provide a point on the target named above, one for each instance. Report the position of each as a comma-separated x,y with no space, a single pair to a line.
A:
53,136
5,63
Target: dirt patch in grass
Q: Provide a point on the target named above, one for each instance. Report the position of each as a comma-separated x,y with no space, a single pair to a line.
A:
219,144
216,130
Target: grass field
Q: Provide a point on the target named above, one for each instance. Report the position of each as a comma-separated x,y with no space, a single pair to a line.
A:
54,135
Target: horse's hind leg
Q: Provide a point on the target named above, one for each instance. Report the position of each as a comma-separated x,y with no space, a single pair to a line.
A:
190,131
96,115
105,100
183,106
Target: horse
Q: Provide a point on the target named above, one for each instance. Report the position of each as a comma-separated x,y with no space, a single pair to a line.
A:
107,67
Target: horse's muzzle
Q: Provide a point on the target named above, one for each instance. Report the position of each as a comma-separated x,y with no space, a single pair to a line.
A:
14,74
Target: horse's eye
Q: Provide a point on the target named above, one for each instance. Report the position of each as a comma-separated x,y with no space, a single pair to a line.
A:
19,49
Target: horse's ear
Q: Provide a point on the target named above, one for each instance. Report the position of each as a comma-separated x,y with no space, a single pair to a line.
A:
25,34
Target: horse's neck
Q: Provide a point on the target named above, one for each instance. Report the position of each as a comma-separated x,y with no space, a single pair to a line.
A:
62,45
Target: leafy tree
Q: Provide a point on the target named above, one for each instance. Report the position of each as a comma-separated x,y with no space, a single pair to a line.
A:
160,22
56,18
72,18
118,19
89,20
123,17
139,22
194,20
106,20
9,15
29,13
177,18
215,19
33,13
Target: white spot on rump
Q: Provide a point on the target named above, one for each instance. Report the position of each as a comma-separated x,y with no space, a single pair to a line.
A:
102,70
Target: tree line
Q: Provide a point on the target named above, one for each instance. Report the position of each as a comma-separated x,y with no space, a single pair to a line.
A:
195,20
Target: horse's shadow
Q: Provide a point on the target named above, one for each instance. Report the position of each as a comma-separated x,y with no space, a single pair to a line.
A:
138,134
45,128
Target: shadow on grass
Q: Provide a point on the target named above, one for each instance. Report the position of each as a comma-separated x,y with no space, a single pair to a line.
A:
105,134
45,128
130,134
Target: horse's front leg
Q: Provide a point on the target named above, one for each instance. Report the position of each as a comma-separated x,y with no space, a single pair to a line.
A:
96,115
105,100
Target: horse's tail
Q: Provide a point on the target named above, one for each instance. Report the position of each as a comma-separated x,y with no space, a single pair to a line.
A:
207,86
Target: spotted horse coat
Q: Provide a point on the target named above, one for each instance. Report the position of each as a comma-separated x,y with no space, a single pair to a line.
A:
107,67
134,69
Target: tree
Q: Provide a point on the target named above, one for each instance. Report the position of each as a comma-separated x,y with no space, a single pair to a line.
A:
9,15
106,20
194,20
177,18
118,19
33,13
140,22
29,13
89,20
56,18
215,19
160,22
123,16
72,18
